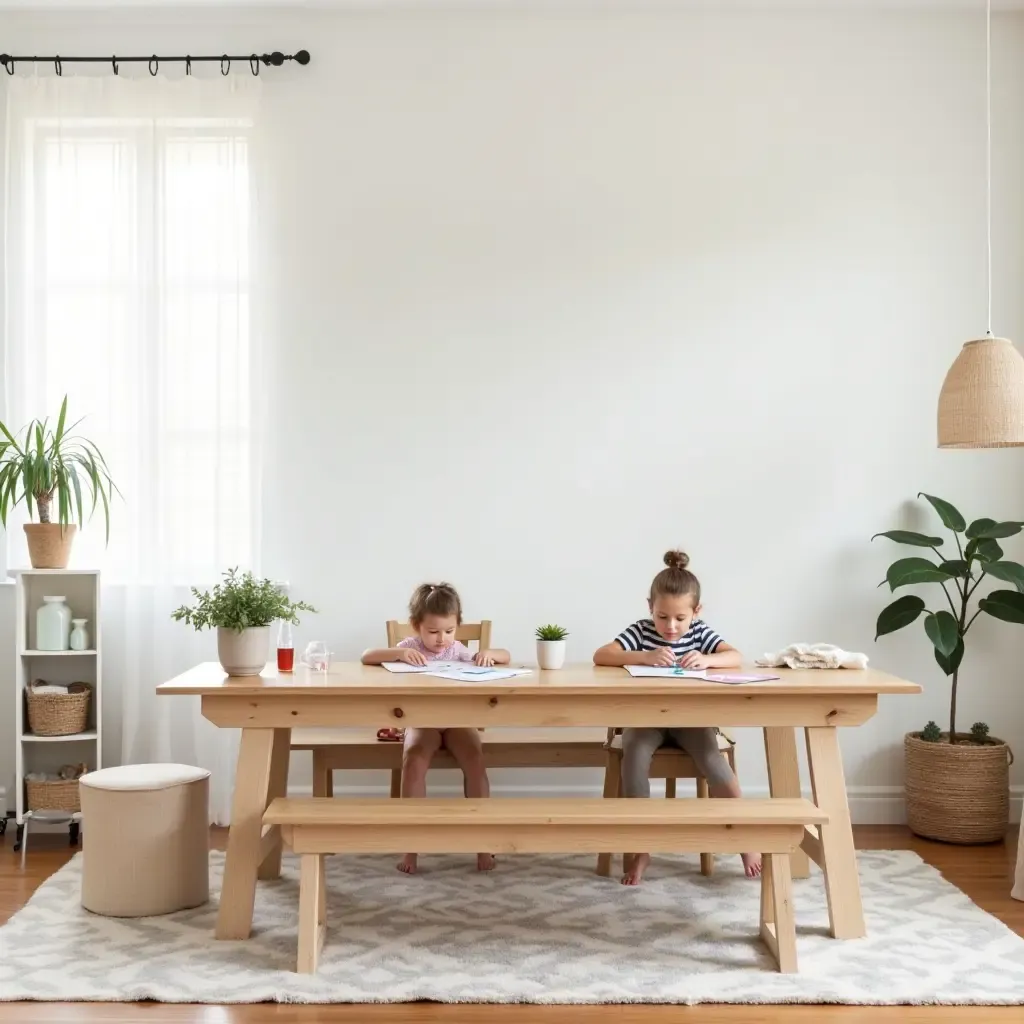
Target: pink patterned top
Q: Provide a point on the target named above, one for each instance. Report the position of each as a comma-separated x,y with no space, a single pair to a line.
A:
457,651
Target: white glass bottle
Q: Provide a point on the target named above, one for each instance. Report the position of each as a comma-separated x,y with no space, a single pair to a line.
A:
79,639
53,624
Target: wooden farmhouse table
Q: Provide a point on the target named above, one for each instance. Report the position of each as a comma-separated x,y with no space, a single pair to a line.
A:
267,707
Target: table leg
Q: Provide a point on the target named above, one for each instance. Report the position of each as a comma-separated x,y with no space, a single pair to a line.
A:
242,862
784,780
271,866
839,858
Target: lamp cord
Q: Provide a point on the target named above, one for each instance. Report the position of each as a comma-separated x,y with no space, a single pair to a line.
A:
988,154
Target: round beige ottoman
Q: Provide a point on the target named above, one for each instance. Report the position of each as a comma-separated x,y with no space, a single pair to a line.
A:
145,839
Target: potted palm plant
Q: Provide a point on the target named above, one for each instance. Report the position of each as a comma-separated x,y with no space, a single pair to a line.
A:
551,646
242,610
49,469
957,783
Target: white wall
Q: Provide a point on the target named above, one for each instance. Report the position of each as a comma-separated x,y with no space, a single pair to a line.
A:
557,291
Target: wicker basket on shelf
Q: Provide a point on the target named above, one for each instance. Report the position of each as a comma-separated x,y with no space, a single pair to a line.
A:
58,714
52,795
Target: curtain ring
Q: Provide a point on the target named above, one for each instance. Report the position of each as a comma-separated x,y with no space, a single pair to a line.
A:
9,65
188,65
154,65
225,64
113,64
57,66
254,65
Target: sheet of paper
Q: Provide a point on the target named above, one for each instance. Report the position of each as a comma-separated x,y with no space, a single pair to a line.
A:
462,671
733,678
649,671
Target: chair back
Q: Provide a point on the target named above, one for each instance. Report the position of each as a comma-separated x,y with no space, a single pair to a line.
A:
466,633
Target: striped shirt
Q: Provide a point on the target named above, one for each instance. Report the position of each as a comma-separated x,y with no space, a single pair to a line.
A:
456,651
642,636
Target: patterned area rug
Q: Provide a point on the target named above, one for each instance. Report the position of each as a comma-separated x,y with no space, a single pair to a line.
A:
537,930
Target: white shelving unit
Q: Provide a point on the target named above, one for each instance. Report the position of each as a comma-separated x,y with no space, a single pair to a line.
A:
81,587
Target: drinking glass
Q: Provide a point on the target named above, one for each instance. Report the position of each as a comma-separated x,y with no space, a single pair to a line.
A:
317,656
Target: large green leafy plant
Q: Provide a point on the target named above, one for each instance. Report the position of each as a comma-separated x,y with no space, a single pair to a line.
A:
53,464
978,555
240,602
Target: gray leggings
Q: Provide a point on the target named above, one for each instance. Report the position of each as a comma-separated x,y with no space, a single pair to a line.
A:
639,745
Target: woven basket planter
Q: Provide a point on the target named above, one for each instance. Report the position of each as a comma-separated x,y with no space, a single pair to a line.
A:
58,714
957,792
55,795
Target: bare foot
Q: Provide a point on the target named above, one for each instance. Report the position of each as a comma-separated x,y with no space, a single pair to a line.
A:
484,862
408,864
634,870
751,864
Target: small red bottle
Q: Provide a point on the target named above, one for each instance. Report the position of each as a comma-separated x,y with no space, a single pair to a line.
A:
285,648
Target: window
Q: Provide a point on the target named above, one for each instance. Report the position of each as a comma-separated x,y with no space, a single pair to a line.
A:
128,285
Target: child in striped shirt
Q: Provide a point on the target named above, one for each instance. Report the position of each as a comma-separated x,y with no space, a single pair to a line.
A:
673,636
435,612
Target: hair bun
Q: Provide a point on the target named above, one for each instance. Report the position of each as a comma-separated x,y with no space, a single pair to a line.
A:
677,559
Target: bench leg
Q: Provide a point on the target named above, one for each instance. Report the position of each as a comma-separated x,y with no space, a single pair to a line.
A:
778,924
612,787
312,912
396,783
707,860
323,777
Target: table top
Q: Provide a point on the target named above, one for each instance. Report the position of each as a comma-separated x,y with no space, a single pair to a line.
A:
209,679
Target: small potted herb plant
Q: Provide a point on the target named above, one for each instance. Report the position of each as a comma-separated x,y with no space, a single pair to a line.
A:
957,784
551,646
242,609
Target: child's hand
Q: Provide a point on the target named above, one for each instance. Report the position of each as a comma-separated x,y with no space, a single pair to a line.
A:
696,661
411,656
485,658
660,657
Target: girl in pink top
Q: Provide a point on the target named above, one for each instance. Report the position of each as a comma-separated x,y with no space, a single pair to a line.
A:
435,612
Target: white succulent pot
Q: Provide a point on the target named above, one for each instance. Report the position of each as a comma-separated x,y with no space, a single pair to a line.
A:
550,654
245,652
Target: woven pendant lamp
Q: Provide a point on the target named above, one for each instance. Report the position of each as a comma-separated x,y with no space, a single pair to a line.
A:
981,404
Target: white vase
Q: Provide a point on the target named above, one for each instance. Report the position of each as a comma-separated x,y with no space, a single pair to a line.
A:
53,624
79,639
550,654
245,652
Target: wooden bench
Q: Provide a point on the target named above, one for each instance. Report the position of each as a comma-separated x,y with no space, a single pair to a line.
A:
313,827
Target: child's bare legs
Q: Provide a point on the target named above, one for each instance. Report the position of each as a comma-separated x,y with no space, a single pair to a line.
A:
468,751
702,745
420,747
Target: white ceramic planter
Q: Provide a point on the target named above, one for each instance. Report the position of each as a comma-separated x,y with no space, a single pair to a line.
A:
550,654
243,653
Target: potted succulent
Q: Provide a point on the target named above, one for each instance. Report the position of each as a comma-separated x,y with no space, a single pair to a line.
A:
957,783
551,646
50,469
242,608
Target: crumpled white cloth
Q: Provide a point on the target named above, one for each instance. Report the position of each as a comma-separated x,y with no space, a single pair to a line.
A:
813,656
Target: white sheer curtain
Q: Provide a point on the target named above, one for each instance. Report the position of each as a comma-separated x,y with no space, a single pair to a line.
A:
129,217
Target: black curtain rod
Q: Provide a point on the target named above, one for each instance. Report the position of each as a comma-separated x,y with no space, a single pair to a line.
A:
275,59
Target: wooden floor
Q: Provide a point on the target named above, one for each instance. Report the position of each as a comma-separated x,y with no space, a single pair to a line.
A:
984,873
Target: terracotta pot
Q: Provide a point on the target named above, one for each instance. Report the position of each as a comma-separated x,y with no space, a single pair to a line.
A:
957,792
49,544
243,652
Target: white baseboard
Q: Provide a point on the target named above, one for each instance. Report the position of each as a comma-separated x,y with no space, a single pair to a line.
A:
869,805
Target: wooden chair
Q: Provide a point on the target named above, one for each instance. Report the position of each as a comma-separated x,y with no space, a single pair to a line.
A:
353,749
668,763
